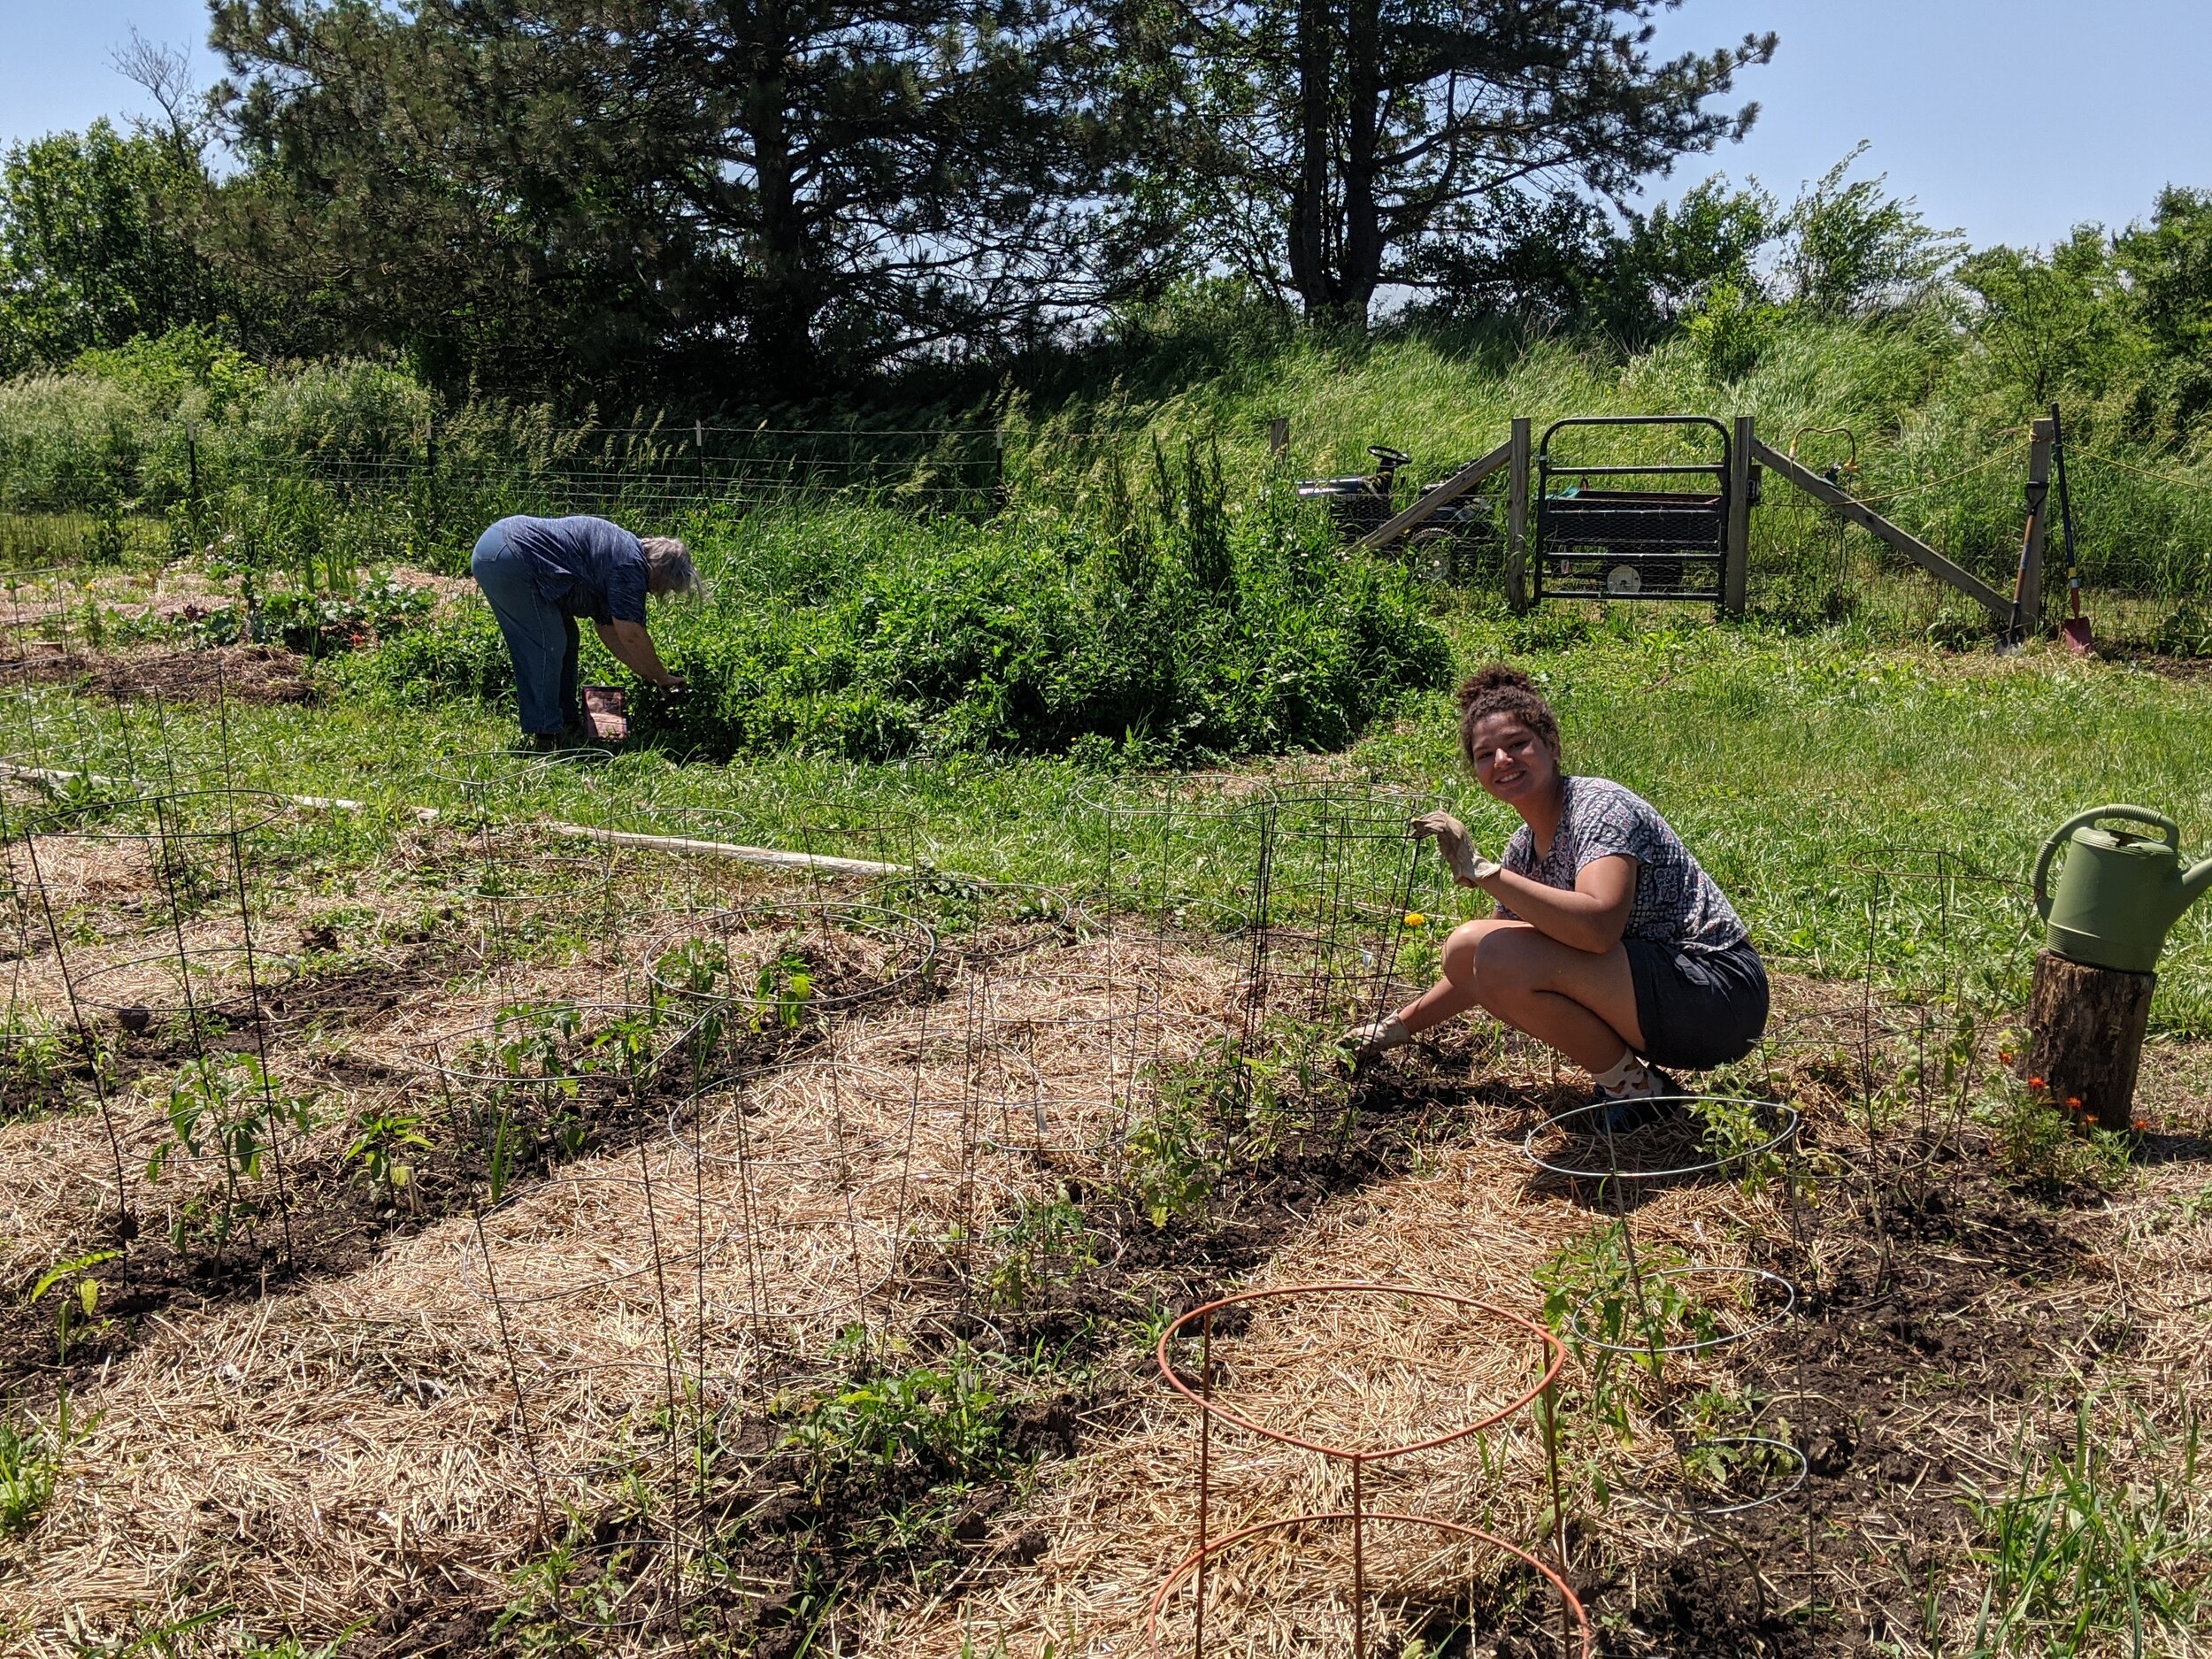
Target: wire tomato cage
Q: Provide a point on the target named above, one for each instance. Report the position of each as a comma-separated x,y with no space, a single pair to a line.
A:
1653,1316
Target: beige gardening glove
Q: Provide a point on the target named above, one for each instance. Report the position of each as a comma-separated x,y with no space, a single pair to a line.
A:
1372,1041
1468,866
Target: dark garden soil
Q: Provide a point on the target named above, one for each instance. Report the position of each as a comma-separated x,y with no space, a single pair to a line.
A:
1920,1316
235,673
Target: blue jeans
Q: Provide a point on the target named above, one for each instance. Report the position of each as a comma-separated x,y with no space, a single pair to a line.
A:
541,640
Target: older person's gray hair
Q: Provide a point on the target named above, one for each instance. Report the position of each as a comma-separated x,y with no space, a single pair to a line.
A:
668,566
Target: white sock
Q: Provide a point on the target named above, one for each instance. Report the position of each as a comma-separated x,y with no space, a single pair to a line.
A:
1629,1080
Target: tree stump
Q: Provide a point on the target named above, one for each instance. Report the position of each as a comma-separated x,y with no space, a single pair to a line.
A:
2085,1034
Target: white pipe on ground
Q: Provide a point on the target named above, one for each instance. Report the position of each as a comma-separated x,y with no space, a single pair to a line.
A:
774,856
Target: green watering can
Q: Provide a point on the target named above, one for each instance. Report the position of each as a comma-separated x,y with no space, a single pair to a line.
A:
2118,893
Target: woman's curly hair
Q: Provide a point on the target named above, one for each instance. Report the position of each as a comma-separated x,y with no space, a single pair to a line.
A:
1501,688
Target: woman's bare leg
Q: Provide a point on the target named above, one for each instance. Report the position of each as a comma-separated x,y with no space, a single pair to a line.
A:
1455,993
1581,1003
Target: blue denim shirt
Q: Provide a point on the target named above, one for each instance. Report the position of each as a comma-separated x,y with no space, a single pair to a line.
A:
582,566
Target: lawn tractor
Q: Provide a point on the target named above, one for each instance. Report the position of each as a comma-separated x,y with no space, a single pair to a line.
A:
1363,505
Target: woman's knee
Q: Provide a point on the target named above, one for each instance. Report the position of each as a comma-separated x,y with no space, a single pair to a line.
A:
1460,952
1507,966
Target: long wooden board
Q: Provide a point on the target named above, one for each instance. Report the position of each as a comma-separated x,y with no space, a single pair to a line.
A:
1914,548
1443,495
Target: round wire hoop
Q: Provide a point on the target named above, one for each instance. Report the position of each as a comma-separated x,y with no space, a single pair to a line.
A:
1554,1350
1791,1121
1190,1565
270,971
1801,1464
1753,1276
181,803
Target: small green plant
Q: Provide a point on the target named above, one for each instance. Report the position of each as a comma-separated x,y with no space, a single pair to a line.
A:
506,1141
781,989
1045,1246
946,1422
233,1111
77,1300
1734,1133
1611,1307
30,1464
531,1042
1172,1171
2045,1144
380,1146
576,1582
34,1060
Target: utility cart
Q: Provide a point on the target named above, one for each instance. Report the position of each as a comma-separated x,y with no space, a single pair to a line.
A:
1597,538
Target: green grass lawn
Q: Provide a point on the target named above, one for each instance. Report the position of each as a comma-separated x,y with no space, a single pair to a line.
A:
1856,801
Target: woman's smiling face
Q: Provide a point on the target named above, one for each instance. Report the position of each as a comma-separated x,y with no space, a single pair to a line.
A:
1512,763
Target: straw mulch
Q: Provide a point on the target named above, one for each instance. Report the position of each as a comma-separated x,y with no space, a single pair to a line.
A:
389,1441
382,1447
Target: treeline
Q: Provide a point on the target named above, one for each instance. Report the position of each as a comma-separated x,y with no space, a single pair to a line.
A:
601,200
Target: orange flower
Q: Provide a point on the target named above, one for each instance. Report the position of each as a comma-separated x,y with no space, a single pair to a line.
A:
2037,1082
2004,1054
2142,1124
2073,1102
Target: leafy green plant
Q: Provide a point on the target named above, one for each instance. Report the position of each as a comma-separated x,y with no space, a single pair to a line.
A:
30,1465
1594,1293
2044,1144
945,1422
2078,1555
578,1581
233,1111
381,1146
1044,1246
1733,1131
1172,1170
78,1300
781,989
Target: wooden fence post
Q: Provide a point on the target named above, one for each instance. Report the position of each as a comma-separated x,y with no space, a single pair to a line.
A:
1278,438
1516,572
1735,567
2027,592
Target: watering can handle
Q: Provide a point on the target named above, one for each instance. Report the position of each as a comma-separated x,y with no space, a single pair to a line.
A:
2082,820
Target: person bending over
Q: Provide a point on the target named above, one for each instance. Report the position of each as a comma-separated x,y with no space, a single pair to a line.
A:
542,574
1609,941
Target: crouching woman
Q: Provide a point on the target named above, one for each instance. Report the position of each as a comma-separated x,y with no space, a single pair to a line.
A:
1608,941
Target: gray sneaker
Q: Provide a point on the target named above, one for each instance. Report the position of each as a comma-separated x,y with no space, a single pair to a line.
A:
1628,1113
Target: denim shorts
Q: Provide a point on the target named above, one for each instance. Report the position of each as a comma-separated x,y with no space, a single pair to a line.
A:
1698,1008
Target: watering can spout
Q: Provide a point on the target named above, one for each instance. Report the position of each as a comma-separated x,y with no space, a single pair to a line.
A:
2195,882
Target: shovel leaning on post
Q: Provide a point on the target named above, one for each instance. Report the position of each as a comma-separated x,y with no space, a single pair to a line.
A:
2074,629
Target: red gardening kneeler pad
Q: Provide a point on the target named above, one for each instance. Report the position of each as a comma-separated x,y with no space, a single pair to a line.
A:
602,712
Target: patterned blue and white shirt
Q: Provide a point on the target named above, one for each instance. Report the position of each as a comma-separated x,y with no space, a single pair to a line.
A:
1677,904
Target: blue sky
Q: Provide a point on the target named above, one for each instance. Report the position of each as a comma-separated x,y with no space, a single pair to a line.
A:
2011,119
